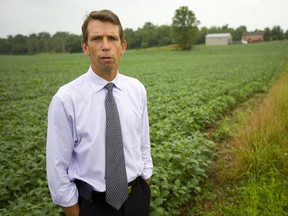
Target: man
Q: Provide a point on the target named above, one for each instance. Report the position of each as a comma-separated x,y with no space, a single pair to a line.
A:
77,134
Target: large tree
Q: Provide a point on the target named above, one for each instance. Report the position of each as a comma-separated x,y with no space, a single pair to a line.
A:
238,32
185,28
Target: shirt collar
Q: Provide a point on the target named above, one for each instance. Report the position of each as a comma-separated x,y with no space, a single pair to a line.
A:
99,83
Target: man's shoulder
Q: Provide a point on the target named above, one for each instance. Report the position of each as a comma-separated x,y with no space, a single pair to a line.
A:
131,81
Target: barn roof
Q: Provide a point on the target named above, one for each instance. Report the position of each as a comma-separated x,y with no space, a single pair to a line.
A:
253,33
215,35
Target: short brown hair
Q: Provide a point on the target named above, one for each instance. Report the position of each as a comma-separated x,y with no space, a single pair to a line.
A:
104,16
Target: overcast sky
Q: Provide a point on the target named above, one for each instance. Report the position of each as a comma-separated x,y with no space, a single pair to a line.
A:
33,16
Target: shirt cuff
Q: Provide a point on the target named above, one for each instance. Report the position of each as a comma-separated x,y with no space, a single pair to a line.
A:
67,197
147,173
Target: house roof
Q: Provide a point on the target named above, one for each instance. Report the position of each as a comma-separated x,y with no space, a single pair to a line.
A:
253,33
215,35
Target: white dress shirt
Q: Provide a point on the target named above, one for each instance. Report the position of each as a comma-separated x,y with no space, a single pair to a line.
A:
76,134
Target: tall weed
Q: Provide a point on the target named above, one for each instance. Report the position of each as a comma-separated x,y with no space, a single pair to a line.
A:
260,154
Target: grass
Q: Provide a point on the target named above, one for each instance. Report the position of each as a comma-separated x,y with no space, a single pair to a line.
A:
262,143
187,91
250,174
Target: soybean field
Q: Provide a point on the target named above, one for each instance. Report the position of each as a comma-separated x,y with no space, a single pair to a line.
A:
187,92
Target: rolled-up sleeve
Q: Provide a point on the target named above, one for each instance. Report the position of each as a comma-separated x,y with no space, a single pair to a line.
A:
145,143
59,150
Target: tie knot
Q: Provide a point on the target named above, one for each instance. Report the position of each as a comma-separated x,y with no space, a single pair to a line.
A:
109,86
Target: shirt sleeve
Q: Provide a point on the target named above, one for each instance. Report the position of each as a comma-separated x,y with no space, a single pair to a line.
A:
59,150
145,143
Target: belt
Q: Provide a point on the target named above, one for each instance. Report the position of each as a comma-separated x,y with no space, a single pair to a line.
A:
86,192
96,194
131,184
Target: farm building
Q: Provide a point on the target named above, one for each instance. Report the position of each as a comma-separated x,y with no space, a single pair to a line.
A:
252,37
218,39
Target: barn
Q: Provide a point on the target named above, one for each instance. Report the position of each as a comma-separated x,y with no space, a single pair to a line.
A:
252,37
218,39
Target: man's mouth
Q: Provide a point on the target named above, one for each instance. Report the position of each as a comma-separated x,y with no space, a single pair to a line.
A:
106,58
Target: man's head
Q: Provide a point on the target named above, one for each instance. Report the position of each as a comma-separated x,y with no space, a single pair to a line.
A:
103,42
103,16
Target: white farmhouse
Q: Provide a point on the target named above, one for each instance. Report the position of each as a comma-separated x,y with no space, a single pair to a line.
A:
218,39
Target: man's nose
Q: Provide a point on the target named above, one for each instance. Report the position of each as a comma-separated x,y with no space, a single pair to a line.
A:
105,44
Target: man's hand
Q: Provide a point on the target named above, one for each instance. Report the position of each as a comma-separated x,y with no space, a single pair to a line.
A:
71,210
147,181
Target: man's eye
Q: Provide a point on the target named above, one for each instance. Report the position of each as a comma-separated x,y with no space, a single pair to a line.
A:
97,39
113,38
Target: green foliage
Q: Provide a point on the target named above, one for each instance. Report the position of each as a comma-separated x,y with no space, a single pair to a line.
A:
27,85
185,28
256,177
264,196
264,144
43,42
149,35
182,164
187,91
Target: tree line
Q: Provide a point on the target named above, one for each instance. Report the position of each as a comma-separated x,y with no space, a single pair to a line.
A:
60,42
183,31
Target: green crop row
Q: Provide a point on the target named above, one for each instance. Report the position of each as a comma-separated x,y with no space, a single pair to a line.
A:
187,91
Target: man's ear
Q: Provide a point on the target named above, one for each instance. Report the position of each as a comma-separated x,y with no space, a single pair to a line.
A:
85,48
124,47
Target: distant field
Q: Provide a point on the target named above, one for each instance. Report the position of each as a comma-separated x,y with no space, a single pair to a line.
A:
187,91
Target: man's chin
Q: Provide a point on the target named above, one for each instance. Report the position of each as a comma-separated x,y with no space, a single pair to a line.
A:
108,70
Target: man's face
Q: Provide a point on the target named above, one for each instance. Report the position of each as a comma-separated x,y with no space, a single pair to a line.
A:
104,48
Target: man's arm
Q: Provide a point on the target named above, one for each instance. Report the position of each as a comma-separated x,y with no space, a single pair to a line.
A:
59,150
145,143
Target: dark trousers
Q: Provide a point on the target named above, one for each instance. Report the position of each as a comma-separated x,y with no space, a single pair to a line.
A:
137,204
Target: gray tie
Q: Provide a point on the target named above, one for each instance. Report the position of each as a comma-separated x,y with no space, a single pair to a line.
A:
116,178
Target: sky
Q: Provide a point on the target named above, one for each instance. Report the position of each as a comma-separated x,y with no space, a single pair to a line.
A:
34,16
